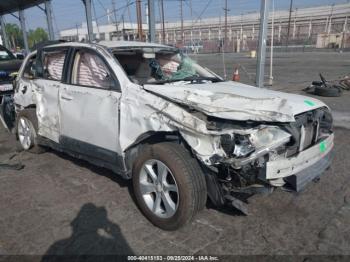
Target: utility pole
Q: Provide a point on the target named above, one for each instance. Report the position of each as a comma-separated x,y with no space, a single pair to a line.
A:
77,27
272,38
182,23
115,15
24,30
48,12
344,32
87,4
264,17
139,20
151,22
163,23
225,37
289,21
330,21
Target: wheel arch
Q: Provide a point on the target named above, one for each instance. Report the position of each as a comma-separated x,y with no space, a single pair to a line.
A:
149,138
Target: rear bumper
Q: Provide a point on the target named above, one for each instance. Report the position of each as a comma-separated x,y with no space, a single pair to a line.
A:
302,168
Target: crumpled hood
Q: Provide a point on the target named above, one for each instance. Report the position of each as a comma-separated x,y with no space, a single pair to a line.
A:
236,101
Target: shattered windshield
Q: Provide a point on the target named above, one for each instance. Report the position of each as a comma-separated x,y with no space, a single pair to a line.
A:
151,66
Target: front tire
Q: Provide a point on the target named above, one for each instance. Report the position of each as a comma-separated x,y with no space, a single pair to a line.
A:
169,185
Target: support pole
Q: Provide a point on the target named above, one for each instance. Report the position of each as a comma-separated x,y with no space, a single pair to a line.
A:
163,22
5,41
344,32
48,12
260,69
225,35
24,30
272,38
289,20
87,4
182,23
139,20
151,22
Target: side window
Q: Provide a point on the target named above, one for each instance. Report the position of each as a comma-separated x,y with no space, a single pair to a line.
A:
90,70
29,69
53,62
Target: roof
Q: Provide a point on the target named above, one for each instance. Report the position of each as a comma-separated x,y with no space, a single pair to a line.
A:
10,6
116,44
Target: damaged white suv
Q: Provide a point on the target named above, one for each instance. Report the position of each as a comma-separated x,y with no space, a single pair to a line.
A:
180,132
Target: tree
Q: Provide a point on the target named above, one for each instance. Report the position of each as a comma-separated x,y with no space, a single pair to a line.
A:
36,36
14,35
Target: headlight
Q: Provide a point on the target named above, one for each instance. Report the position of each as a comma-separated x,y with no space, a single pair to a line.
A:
269,137
238,145
243,145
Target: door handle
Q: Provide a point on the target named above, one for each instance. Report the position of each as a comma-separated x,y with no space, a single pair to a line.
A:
39,89
65,97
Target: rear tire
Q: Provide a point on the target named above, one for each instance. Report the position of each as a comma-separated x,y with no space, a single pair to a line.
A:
170,200
27,130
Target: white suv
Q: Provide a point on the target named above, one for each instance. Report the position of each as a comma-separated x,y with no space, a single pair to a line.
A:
180,132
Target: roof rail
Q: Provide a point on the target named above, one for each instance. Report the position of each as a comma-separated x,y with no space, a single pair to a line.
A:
43,44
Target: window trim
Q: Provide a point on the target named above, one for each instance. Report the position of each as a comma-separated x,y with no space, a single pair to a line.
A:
25,65
40,64
70,65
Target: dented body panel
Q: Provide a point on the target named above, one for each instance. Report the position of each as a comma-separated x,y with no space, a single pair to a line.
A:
236,101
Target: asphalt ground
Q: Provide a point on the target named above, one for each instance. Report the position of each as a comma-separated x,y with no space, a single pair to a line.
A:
59,205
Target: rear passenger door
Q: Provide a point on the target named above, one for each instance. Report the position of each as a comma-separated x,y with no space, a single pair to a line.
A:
46,87
89,107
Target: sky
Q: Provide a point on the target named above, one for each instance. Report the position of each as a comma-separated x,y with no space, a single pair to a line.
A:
69,13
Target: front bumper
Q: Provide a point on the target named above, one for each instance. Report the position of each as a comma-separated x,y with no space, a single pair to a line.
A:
302,168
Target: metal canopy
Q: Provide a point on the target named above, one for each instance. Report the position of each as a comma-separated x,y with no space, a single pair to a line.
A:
10,6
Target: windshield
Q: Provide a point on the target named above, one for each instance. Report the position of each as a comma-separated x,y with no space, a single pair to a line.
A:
6,55
152,66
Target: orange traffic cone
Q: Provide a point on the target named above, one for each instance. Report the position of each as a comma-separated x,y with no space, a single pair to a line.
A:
236,76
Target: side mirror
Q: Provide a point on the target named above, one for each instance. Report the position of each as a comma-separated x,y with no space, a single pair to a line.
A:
20,56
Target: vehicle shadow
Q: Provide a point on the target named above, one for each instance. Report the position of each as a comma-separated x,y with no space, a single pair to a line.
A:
94,238
93,168
127,183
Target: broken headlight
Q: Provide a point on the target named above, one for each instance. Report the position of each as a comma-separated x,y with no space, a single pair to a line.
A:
270,137
243,145
238,145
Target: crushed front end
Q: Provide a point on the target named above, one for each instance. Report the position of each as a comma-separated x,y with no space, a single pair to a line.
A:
270,155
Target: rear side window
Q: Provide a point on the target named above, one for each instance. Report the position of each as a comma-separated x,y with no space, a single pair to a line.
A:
53,62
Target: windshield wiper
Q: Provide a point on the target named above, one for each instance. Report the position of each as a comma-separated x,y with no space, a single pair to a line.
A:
192,79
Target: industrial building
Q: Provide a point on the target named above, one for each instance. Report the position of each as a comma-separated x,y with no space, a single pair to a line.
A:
322,27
